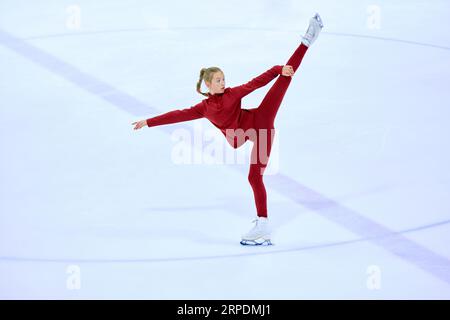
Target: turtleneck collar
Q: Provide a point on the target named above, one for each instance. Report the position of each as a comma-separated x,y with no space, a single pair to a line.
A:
215,95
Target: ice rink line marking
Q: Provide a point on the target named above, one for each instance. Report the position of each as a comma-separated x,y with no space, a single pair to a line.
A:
266,251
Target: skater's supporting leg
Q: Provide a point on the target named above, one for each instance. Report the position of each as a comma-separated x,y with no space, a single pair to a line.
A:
260,154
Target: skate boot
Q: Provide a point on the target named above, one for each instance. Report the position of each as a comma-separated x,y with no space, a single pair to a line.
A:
314,28
259,234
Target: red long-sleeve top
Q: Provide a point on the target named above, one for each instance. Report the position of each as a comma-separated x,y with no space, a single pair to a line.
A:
224,109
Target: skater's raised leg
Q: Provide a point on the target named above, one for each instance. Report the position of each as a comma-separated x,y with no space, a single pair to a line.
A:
266,112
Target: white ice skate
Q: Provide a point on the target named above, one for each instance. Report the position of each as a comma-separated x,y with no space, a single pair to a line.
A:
314,28
259,234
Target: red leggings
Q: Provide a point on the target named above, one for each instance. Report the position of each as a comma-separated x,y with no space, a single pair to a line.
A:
264,117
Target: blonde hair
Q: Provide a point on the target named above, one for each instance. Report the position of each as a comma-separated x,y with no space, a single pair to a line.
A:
206,74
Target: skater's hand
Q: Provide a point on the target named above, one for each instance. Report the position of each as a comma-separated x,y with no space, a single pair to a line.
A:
140,124
287,71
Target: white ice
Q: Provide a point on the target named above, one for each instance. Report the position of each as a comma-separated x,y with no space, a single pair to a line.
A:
360,196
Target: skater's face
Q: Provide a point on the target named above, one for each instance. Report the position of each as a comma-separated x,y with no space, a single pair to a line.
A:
217,84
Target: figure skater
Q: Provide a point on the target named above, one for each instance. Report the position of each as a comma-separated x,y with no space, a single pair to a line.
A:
222,108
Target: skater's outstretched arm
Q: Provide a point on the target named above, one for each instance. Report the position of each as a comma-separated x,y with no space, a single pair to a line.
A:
258,82
174,116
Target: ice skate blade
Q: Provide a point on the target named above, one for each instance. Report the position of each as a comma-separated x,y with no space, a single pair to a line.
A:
256,243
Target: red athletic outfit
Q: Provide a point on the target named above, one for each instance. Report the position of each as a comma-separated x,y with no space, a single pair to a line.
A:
224,111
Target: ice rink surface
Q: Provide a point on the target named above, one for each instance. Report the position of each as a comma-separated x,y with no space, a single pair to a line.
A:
358,188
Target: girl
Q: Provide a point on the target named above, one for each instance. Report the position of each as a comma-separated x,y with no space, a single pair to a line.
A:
223,108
